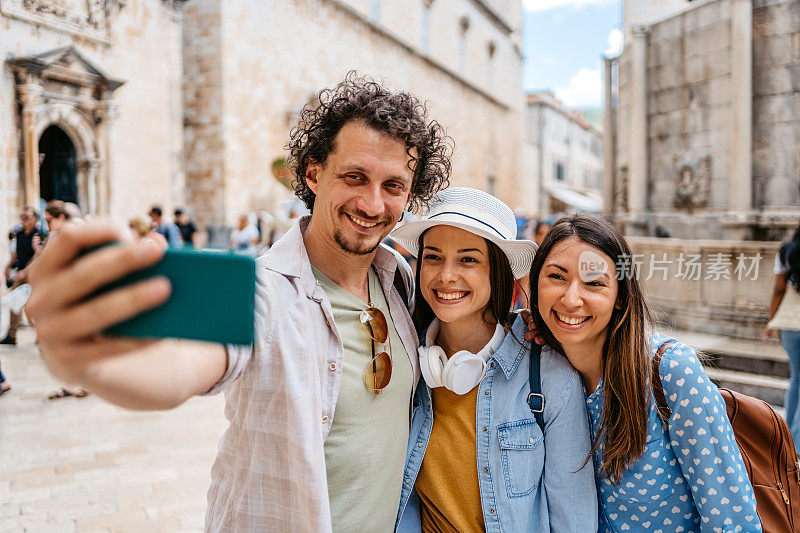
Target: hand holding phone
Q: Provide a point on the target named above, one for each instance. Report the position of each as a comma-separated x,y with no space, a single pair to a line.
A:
78,297
212,298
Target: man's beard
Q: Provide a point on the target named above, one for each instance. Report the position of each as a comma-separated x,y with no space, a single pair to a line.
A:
353,249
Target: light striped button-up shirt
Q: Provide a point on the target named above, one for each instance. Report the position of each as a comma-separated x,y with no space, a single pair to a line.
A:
280,395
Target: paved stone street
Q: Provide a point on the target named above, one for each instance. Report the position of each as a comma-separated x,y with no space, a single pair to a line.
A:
80,464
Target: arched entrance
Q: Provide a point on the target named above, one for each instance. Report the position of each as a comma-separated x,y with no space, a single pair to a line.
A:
58,170
65,114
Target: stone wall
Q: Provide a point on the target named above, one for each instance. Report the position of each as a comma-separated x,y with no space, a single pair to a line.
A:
277,55
138,43
713,286
689,115
776,105
203,113
719,159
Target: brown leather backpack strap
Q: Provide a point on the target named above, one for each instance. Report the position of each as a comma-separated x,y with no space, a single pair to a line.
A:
664,411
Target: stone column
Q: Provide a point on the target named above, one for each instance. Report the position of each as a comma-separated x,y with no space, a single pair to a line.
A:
29,97
609,144
741,148
88,168
637,132
105,115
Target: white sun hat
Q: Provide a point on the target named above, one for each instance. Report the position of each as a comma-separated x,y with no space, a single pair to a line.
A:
477,212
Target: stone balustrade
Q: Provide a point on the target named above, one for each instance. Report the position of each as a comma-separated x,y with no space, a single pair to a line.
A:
709,286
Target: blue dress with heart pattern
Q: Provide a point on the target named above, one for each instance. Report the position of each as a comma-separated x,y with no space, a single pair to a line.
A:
691,476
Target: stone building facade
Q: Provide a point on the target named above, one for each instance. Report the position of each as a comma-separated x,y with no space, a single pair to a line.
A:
563,158
136,102
703,119
252,65
91,105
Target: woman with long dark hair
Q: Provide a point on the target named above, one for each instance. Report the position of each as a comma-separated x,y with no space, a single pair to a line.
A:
479,457
682,474
784,316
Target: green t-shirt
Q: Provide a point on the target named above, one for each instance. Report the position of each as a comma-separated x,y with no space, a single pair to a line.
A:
366,448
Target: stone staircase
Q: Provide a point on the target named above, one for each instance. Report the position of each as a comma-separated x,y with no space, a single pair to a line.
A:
750,367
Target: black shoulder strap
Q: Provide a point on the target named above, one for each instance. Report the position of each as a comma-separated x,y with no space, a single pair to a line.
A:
536,398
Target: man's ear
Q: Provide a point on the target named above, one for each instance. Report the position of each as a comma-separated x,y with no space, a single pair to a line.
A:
312,171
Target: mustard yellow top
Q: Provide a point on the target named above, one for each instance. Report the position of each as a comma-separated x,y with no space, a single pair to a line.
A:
447,483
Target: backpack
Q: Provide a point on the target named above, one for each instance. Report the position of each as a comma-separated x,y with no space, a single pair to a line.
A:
767,451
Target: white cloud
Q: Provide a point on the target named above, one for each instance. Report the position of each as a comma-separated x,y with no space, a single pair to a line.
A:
585,89
615,40
548,5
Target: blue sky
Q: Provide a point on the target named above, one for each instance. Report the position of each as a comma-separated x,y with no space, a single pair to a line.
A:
563,41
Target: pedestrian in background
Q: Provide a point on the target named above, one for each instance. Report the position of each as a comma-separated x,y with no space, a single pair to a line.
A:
141,229
56,214
169,230
784,316
4,386
542,226
15,272
74,212
246,238
188,230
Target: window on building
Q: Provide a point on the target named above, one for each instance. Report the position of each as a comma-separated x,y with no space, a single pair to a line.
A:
375,10
491,49
463,24
558,172
426,26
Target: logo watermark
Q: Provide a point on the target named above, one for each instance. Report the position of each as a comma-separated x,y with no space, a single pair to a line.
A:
688,266
592,266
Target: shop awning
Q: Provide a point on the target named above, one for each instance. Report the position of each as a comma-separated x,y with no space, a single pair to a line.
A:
581,202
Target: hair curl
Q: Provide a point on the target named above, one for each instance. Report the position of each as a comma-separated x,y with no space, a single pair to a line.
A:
399,115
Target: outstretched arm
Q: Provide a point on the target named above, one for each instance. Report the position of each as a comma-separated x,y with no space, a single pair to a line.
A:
69,320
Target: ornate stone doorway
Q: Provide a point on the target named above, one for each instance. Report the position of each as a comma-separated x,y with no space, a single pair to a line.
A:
66,111
58,170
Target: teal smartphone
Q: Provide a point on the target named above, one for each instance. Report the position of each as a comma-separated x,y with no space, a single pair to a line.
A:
212,299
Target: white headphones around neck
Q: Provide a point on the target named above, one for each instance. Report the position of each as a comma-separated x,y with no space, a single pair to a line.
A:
464,370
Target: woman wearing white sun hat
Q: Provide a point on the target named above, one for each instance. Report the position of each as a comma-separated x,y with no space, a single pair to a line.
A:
479,457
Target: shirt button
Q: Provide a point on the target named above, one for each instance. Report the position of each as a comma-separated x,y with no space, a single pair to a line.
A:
332,366
486,393
327,323
419,444
491,510
491,365
531,440
325,418
486,469
485,428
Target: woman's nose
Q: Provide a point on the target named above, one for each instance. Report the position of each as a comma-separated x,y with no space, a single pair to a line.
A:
447,273
572,297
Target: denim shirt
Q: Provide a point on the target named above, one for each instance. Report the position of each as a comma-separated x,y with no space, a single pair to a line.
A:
528,481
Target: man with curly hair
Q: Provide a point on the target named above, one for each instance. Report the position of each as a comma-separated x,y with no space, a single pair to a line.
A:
319,405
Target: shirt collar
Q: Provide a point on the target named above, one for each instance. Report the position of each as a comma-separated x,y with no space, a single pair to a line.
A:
511,352
289,257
